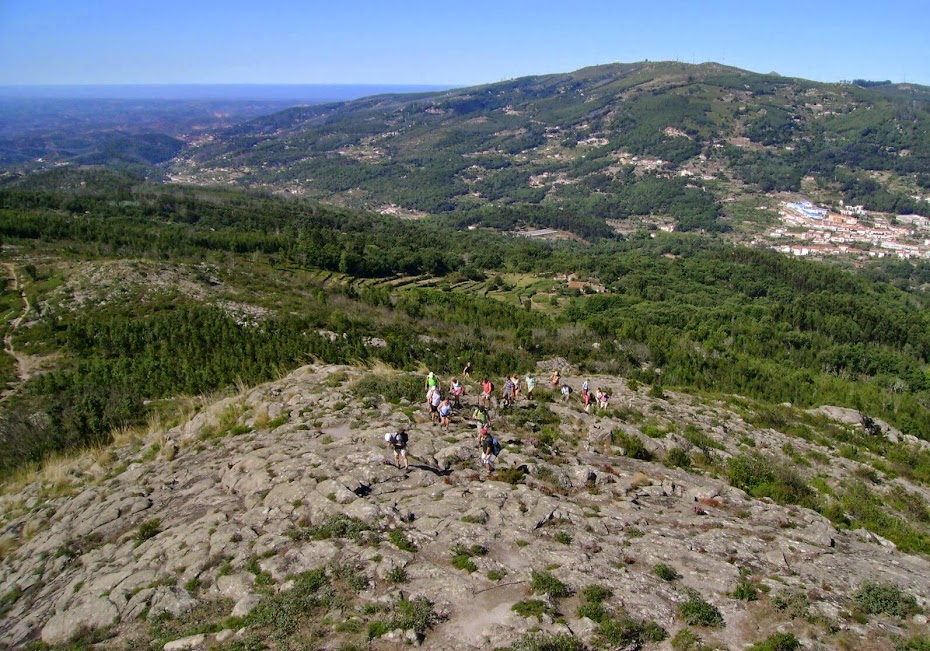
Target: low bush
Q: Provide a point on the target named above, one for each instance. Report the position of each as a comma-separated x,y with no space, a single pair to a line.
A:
392,387
417,614
777,642
761,476
397,575
400,540
666,572
686,640
916,643
531,608
885,598
462,555
632,445
677,458
746,591
546,583
547,642
336,526
698,612
148,529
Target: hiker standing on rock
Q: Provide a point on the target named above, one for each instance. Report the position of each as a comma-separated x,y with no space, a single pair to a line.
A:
556,378
530,385
397,441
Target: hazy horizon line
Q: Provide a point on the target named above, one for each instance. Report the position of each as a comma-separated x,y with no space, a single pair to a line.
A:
207,91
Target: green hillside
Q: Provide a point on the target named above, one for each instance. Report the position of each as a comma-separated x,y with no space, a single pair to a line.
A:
584,145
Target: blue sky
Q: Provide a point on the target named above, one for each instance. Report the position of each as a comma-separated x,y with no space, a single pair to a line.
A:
448,41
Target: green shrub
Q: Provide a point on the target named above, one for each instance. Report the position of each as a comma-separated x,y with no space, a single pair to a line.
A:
496,575
677,458
547,642
916,643
464,563
777,642
511,475
698,612
335,526
593,610
666,572
765,477
399,540
397,574
622,631
349,574
793,603
418,614
148,529
393,387
546,583
746,591
562,537
632,445
462,555
282,613
595,594
531,608
700,440
686,640
376,629
886,598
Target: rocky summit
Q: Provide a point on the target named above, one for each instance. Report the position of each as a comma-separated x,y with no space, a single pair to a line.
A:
275,518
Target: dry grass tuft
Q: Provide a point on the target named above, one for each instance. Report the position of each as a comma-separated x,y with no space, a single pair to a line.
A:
640,479
8,545
20,478
378,366
126,435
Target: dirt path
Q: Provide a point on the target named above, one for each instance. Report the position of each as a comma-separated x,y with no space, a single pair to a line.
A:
26,365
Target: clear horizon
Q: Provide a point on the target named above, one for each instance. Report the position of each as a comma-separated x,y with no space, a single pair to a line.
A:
363,42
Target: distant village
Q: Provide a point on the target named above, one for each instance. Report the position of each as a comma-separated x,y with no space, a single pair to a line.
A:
852,231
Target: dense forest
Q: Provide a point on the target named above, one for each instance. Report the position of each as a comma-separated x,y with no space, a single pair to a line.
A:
337,285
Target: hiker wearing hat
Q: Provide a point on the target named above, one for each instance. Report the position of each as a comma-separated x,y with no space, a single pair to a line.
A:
397,441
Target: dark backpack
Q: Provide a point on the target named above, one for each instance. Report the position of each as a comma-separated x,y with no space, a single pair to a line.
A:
495,446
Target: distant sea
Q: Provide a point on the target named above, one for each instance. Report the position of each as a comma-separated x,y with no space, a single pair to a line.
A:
311,93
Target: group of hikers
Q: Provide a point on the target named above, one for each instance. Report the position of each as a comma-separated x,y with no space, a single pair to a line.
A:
441,406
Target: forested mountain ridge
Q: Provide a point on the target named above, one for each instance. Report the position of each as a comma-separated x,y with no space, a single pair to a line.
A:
601,143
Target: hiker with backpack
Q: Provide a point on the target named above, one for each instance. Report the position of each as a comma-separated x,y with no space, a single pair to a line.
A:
482,419
397,441
490,448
